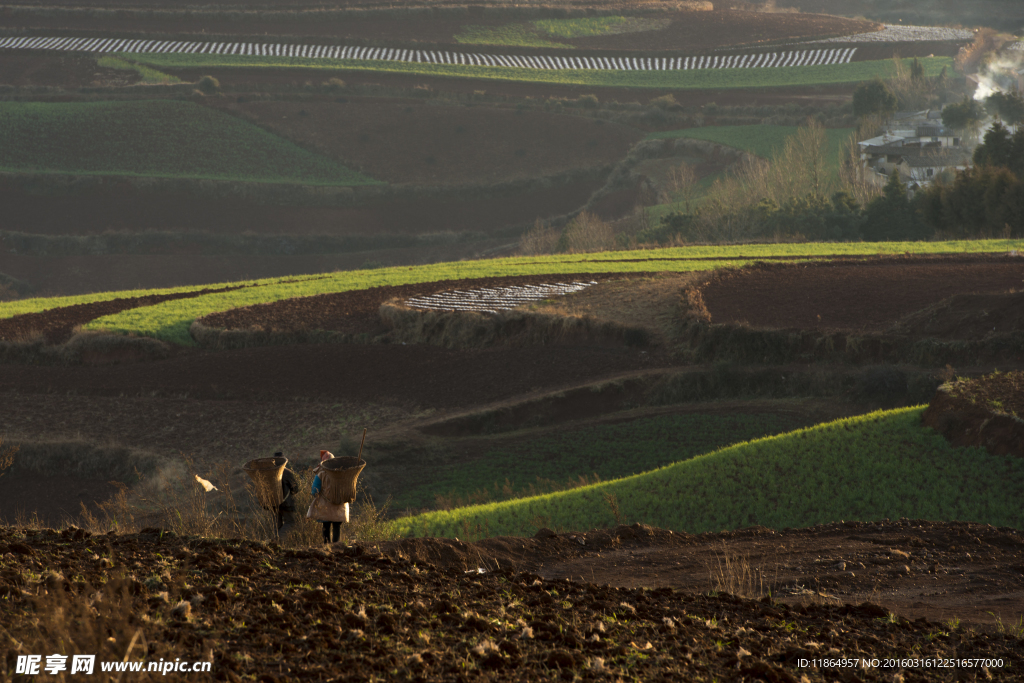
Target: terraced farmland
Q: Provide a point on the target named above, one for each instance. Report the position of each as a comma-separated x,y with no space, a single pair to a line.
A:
863,468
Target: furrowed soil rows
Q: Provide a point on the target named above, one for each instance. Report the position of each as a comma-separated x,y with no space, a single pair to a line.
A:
854,297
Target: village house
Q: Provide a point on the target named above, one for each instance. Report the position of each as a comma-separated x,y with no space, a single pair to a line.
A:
917,145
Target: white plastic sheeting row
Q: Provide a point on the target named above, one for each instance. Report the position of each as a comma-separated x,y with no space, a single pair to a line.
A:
494,299
895,33
748,61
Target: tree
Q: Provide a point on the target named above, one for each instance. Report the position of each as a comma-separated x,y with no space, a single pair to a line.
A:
813,217
999,148
984,201
1007,106
891,217
873,97
963,115
916,70
995,150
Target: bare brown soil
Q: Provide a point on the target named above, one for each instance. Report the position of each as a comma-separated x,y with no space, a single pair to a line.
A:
259,610
967,316
863,296
403,375
925,48
914,568
412,141
57,69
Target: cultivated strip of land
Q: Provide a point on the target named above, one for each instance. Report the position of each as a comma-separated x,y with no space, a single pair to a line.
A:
127,46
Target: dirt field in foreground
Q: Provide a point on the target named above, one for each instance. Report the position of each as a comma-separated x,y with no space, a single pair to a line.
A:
252,609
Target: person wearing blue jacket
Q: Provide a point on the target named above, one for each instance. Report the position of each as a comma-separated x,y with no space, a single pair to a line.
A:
332,530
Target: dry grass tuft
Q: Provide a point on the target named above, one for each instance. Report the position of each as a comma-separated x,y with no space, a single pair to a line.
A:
733,573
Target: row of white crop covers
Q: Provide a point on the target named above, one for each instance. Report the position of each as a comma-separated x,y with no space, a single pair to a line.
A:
895,33
494,299
751,61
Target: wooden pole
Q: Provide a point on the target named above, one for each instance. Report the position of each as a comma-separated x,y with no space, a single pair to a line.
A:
363,440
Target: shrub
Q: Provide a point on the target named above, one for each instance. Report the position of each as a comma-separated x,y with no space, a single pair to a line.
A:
665,102
586,232
208,85
540,239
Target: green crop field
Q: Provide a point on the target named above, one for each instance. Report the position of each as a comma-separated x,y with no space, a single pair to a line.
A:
154,138
609,451
170,320
146,74
520,35
536,33
885,464
684,79
586,27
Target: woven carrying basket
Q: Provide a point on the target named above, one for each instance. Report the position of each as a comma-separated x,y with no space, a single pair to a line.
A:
266,474
338,479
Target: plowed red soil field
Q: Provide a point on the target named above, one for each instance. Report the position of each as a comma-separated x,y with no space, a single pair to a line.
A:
257,610
863,296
